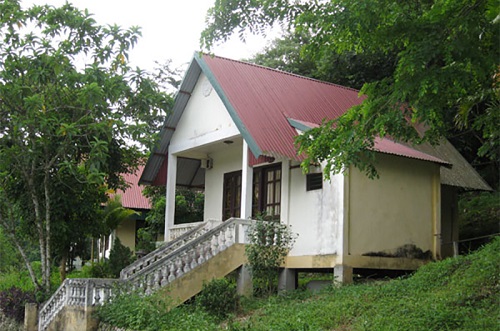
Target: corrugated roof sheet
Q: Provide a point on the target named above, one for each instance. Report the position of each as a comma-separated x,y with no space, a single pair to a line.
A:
132,197
263,99
267,106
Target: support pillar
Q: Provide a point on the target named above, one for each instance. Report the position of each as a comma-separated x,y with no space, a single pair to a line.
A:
31,317
170,196
246,185
342,274
287,280
244,285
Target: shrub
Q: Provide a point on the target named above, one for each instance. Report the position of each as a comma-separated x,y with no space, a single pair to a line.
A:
218,298
12,302
270,242
99,270
119,257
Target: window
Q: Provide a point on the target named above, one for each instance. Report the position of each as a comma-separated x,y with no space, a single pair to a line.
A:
314,181
267,191
232,195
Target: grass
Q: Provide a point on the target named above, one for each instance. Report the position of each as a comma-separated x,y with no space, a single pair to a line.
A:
455,294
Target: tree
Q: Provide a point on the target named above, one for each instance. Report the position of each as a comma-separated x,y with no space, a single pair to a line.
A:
446,68
346,68
111,217
70,106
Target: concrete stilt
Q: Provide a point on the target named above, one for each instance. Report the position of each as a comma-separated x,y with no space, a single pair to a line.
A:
342,274
287,280
244,285
30,317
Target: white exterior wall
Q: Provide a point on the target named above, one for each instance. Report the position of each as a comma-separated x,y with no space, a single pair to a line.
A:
226,160
205,120
316,215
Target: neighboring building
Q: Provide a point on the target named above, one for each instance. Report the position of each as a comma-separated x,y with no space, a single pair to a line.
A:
232,133
131,198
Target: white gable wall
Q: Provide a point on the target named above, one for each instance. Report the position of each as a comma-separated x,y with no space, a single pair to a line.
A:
204,120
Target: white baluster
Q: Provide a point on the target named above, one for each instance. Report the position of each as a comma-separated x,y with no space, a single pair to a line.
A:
208,250
186,258
178,264
230,236
171,276
215,245
201,253
222,239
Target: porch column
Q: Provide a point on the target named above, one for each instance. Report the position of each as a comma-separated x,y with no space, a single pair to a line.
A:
246,184
170,197
285,192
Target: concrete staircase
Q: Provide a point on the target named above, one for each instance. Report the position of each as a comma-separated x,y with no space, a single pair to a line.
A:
177,269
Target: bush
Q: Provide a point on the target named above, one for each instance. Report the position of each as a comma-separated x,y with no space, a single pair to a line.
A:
12,302
218,298
119,257
270,242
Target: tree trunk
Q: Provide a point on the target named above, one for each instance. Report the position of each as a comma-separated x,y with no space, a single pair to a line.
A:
8,225
62,265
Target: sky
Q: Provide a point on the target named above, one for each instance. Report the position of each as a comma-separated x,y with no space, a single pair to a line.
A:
170,28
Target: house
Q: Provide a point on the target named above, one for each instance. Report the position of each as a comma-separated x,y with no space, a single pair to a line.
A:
232,133
133,199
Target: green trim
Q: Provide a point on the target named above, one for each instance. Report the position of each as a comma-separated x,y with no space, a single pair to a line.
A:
252,144
299,126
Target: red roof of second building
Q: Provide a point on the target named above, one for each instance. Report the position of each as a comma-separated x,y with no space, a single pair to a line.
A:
132,196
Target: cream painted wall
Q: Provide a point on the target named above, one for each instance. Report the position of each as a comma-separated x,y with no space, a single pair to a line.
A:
394,210
126,233
225,160
316,215
205,120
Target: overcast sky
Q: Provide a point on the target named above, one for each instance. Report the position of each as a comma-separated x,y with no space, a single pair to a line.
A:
170,28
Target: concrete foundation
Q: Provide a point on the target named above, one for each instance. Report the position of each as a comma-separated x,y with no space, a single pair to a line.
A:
244,284
287,280
342,274
73,318
31,317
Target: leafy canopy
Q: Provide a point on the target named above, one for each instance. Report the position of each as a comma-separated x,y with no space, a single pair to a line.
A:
445,67
72,115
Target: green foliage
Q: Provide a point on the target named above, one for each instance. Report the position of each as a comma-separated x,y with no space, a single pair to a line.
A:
9,257
135,312
12,302
219,298
19,277
189,206
99,269
346,68
119,257
65,127
479,215
455,294
442,68
270,242
146,240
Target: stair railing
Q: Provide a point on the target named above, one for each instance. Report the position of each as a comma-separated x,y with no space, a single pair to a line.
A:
189,256
166,249
83,292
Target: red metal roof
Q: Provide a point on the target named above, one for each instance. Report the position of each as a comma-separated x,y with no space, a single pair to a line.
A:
264,98
132,197
388,146
268,106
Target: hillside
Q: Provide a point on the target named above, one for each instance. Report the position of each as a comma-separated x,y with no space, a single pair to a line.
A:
455,294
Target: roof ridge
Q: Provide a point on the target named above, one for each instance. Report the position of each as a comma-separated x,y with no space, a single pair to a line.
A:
282,72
